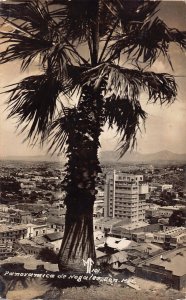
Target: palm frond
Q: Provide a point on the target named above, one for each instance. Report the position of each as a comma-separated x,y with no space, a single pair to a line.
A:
23,48
76,15
122,82
132,12
53,33
80,15
121,88
34,33
126,115
146,41
33,16
160,87
33,102
178,37
59,130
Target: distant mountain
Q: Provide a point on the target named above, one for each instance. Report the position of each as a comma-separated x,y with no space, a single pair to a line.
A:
112,156
47,158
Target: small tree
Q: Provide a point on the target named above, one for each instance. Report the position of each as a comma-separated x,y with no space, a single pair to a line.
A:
178,218
49,255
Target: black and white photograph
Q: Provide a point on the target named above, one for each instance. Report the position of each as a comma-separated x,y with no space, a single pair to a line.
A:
92,150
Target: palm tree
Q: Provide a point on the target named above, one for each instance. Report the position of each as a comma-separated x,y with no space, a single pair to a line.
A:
98,52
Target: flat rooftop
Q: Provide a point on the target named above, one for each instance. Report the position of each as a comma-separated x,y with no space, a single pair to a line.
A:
172,261
9,228
108,221
35,225
176,207
55,236
56,220
132,226
173,231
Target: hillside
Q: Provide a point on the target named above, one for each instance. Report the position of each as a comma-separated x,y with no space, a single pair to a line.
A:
111,156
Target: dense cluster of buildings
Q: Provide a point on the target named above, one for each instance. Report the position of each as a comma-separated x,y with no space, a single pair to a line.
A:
132,213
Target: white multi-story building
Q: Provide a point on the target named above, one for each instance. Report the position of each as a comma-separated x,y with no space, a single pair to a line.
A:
99,198
162,187
125,196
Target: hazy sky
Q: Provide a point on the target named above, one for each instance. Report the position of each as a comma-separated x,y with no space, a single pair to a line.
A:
165,127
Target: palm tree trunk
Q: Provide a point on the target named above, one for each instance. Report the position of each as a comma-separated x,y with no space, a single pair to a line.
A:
82,169
78,242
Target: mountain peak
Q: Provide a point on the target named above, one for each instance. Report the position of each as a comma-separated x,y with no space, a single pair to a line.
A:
164,155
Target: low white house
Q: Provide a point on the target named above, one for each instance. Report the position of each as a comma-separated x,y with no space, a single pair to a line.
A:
118,244
34,230
98,235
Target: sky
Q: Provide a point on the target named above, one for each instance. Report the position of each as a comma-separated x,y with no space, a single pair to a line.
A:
165,126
